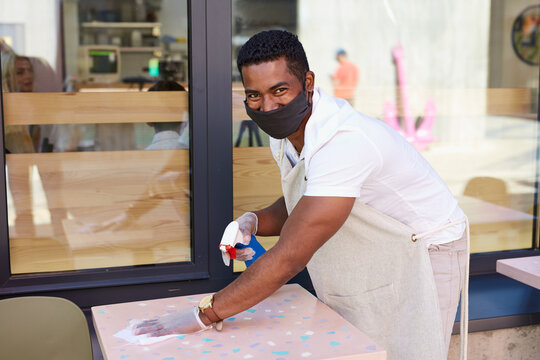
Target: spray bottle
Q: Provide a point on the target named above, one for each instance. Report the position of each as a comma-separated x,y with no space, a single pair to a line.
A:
232,240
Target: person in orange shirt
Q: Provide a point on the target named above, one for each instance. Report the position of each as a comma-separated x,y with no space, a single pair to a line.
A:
345,78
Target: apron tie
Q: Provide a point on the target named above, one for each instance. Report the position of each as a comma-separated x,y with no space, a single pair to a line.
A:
464,313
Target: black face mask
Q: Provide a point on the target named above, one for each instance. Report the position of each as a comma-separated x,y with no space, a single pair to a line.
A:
284,121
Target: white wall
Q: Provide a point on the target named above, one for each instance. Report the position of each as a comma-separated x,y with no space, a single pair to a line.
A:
445,46
445,42
174,21
41,21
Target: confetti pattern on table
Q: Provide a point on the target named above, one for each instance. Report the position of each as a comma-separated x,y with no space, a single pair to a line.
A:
291,324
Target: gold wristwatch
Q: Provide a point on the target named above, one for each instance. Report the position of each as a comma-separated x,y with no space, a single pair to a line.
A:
206,307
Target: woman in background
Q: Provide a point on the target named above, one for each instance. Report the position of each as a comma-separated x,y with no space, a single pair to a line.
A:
18,76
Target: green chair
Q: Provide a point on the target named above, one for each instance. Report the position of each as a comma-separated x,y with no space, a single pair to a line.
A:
45,328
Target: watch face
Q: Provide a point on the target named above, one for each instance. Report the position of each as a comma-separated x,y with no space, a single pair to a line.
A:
526,35
206,302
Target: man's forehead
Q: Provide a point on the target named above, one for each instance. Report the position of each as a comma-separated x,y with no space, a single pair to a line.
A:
276,64
268,72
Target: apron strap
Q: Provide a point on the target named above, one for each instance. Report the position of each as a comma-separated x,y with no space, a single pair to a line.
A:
281,152
464,313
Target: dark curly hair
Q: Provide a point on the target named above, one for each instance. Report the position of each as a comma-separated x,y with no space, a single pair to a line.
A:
167,85
271,45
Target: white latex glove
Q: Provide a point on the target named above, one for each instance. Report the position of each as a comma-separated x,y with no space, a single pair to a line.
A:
244,254
186,321
247,225
238,232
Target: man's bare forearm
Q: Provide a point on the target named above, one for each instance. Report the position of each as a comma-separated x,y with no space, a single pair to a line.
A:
272,218
257,282
310,225
265,275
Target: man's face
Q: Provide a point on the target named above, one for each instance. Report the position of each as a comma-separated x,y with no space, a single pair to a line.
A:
271,85
24,75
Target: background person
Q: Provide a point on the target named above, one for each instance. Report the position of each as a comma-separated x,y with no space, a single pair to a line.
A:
17,75
168,134
345,78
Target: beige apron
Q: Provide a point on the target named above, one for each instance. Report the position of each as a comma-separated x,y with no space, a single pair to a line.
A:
375,274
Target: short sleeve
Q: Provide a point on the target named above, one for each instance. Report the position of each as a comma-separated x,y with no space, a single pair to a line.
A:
341,166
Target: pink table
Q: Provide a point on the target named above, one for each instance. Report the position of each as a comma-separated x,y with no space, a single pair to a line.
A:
524,269
290,324
484,212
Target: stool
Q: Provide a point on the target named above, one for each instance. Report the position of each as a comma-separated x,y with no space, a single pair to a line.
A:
253,130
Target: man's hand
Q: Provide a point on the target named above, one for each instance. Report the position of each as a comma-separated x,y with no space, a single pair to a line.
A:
244,254
182,322
247,225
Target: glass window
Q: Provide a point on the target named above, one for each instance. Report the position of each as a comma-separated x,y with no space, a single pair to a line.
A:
459,79
96,134
256,176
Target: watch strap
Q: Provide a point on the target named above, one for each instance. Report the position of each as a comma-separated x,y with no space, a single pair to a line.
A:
201,324
211,314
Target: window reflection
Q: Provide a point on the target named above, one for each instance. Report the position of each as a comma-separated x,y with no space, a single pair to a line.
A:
97,165
442,74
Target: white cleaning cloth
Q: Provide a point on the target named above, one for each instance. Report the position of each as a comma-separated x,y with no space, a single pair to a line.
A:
145,339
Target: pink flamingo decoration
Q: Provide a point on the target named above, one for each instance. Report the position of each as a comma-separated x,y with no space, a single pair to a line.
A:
422,136
423,133
390,116
410,130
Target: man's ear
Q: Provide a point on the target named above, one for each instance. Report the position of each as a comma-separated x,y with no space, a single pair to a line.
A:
310,81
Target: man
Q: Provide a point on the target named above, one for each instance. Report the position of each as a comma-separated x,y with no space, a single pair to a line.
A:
355,195
345,78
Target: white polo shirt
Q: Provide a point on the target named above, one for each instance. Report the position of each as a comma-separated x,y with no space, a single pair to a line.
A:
348,154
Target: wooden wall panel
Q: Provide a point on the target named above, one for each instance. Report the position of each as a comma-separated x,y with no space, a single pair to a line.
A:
107,209
256,179
94,107
256,185
133,107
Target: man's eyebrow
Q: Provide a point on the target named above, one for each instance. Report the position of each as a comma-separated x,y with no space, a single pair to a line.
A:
279,84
